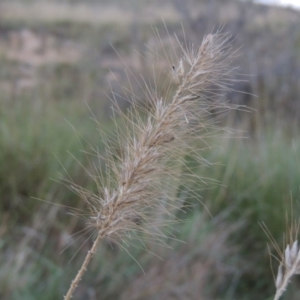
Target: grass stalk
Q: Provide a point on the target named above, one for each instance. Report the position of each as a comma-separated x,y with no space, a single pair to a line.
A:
289,267
137,192
83,268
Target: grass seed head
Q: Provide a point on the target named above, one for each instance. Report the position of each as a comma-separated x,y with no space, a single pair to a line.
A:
144,176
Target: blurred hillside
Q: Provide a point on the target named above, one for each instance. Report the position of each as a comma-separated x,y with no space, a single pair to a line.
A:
43,35
59,61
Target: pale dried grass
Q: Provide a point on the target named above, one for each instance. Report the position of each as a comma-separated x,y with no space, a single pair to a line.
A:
151,148
289,259
289,267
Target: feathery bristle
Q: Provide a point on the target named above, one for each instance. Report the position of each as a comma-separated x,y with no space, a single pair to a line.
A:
153,147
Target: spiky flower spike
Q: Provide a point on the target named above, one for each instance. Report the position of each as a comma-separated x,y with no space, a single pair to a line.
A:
151,145
289,267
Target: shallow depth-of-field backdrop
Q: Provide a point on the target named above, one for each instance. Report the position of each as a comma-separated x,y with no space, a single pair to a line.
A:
57,69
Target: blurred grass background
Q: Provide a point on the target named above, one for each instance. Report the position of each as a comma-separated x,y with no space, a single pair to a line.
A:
57,65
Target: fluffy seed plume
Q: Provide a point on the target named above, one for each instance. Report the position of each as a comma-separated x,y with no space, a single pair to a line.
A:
289,258
289,267
151,146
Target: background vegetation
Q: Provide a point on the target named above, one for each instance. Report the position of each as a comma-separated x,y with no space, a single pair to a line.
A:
57,68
